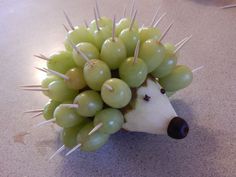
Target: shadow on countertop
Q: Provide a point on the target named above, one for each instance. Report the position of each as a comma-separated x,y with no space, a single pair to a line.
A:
140,155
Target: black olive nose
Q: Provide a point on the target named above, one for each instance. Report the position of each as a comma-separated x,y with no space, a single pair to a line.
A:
177,128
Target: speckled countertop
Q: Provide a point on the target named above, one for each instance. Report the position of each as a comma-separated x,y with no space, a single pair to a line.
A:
31,26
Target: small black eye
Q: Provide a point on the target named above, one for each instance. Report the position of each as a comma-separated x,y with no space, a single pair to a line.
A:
146,98
163,91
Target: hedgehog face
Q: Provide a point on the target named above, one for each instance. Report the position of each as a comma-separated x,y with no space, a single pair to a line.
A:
154,113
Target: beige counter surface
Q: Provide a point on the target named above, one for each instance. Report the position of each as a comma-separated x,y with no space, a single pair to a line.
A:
31,27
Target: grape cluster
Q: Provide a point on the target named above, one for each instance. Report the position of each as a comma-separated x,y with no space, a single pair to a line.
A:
87,101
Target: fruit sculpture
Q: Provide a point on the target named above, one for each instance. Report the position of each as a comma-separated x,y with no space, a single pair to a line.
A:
112,76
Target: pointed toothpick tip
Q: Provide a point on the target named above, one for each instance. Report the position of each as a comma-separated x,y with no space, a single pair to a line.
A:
35,89
228,6
57,152
68,20
98,10
40,69
96,19
132,9
114,28
198,68
33,111
37,115
166,31
73,149
136,52
30,86
63,76
44,123
154,17
40,56
159,20
182,44
65,27
133,20
96,128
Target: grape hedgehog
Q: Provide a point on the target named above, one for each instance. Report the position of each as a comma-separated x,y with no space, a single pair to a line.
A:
111,76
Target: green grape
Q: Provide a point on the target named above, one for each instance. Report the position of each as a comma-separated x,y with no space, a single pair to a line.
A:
152,52
76,79
61,62
168,63
125,23
147,33
178,79
133,72
67,117
170,48
130,39
111,119
92,142
88,49
69,135
169,94
89,103
116,93
103,22
47,80
96,72
49,109
80,34
60,92
113,52
100,36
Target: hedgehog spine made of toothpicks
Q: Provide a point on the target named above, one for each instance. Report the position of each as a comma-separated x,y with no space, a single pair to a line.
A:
111,76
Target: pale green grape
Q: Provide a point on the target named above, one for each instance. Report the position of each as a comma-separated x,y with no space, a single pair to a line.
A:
124,23
147,33
152,52
168,63
49,109
111,119
67,117
89,103
130,39
96,73
60,92
103,22
88,49
76,79
116,93
133,72
100,36
47,80
61,62
178,79
69,135
170,48
80,34
92,142
113,52
169,94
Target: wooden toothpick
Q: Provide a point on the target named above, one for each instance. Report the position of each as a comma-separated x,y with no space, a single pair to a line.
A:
58,151
136,52
65,28
73,149
96,128
98,11
68,20
36,115
182,44
40,56
114,29
166,31
96,19
197,69
30,86
159,20
33,111
35,89
133,20
154,17
228,6
63,76
45,122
